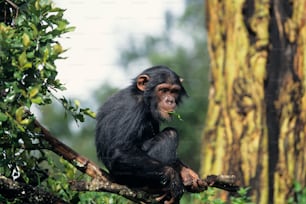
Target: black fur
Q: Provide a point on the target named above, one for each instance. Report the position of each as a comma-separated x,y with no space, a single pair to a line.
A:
128,137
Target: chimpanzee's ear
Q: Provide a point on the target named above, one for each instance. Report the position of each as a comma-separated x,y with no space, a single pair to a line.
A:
141,81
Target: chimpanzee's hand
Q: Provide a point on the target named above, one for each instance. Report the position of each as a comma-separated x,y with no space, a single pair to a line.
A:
192,181
174,185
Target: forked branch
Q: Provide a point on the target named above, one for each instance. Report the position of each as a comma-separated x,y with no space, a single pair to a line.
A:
102,181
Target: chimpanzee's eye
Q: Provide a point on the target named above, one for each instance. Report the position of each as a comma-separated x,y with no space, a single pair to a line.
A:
164,90
175,91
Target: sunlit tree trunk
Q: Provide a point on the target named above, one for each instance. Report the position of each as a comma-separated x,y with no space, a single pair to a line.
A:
255,127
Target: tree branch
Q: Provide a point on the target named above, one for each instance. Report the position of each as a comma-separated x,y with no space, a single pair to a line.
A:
81,163
102,181
225,182
137,196
25,192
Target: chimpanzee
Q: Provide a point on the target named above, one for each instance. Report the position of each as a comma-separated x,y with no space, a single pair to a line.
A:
129,140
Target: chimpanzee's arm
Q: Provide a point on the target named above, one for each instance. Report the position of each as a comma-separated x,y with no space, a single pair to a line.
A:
163,147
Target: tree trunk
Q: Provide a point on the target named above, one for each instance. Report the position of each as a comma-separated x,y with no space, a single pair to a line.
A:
255,126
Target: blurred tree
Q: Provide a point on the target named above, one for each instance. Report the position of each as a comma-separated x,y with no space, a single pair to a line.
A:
183,48
255,126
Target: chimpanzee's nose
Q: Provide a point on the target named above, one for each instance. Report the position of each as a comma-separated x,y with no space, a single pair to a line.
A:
170,101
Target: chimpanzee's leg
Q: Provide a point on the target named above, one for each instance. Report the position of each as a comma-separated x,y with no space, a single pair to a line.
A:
152,166
162,147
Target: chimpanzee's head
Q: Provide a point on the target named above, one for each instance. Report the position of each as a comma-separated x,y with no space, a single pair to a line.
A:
162,90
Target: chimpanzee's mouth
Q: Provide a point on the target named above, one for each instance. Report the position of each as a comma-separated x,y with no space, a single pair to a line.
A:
166,114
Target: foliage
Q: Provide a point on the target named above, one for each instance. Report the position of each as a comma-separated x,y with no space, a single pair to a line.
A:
209,196
29,47
27,74
299,194
100,197
58,182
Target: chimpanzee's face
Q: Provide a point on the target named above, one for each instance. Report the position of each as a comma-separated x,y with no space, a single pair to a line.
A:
161,90
167,96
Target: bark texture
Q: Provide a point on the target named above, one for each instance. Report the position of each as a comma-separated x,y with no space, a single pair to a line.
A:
255,127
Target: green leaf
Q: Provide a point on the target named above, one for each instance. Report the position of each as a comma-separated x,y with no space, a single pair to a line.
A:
57,48
26,40
34,91
77,104
79,117
34,28
19,113
89,112
70,29
22,59
27,65
3,117
37,6
25,121
37,100
44,3
62,25
46,55
177,115
297,186
50,66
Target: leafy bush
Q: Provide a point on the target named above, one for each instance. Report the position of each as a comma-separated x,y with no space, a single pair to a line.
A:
29,46
29,49
299,194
